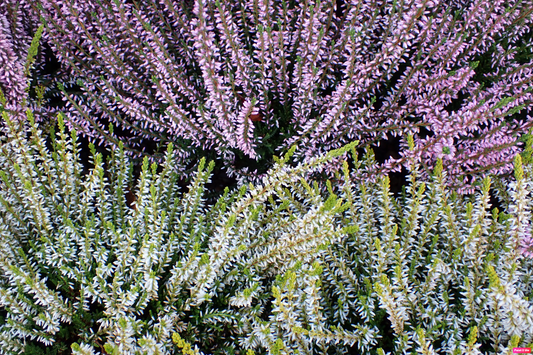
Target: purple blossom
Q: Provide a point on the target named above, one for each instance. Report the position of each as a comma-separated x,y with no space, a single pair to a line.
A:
173,71
444,149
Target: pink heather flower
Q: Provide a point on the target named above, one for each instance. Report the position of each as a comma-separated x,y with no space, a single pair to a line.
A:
444,149
245,129
12,80
181,71
527,245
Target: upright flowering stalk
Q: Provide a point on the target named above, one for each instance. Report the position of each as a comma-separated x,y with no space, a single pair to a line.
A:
12,81
24,66
16,52
521,235
456,75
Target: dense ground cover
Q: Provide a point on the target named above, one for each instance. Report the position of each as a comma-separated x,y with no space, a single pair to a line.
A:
128,240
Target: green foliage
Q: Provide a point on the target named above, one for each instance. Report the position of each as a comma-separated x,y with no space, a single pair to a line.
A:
32,51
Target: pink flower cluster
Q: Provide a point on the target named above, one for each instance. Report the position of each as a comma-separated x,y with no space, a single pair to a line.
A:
13,48
457,75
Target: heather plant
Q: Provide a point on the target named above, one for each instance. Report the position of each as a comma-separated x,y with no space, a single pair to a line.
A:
26,79
241,80
280,267
13,50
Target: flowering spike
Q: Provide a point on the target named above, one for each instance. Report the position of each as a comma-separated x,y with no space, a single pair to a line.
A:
519,171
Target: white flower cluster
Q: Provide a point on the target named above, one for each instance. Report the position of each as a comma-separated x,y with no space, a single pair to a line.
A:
281,267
